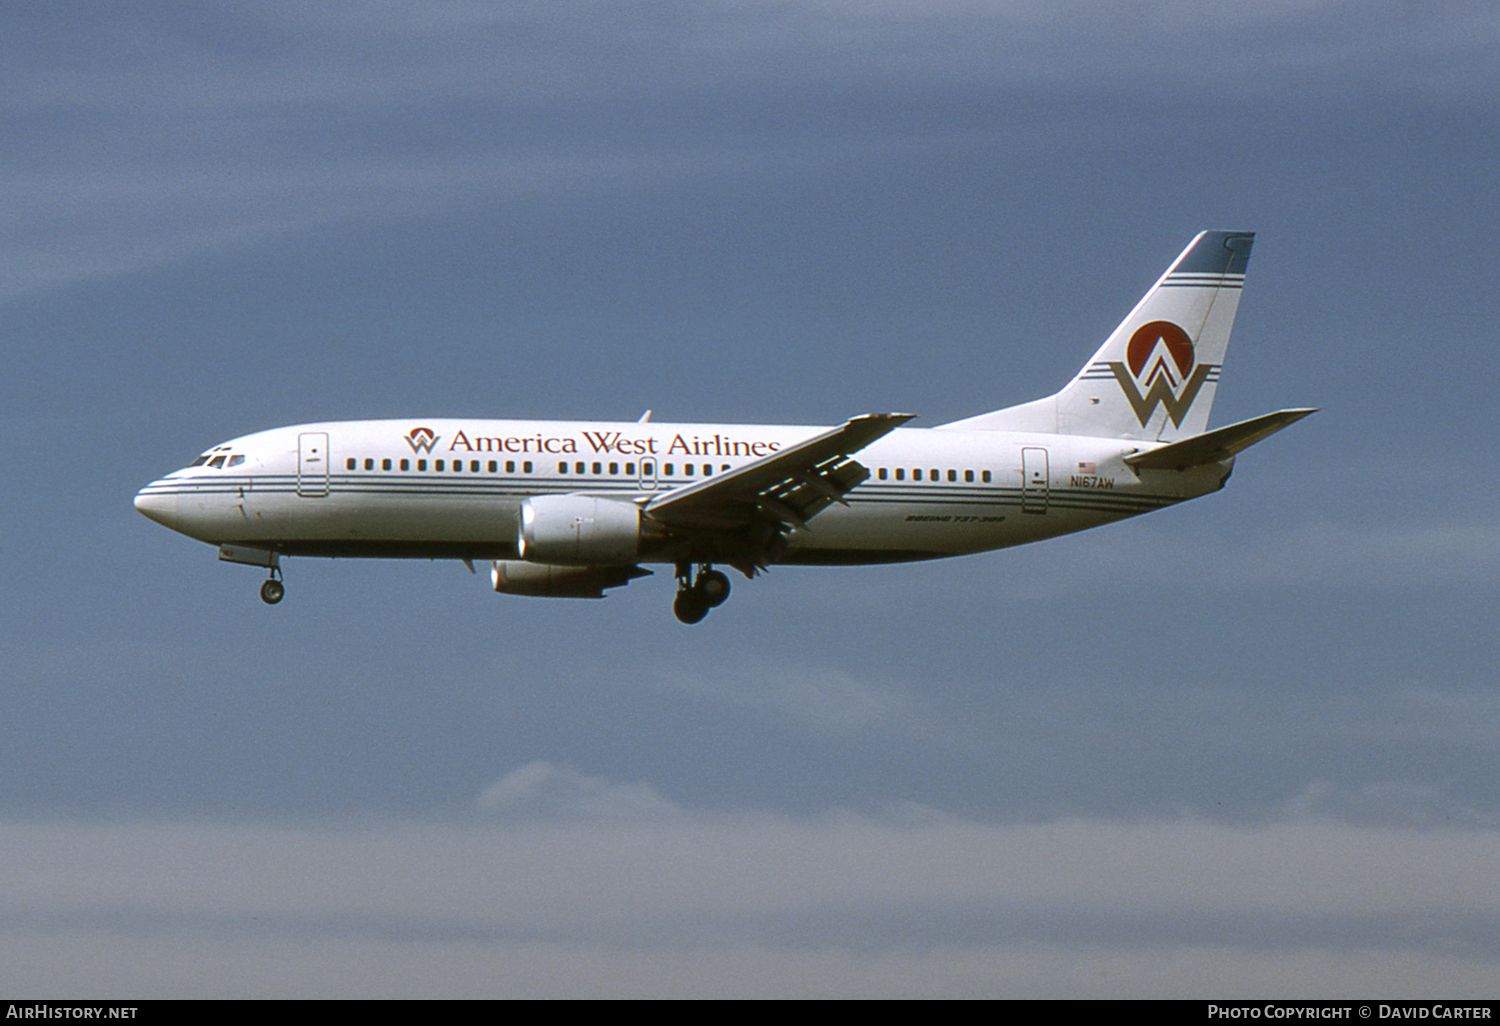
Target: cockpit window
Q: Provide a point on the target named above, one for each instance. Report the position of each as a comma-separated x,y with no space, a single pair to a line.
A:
235,461
199,461
216,462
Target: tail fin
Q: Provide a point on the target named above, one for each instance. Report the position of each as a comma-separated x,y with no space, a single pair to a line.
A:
1155,376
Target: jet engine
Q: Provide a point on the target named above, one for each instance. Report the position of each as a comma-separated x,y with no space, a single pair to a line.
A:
580,530
542,580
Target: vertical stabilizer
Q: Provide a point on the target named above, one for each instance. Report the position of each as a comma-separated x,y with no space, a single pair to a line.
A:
1155,376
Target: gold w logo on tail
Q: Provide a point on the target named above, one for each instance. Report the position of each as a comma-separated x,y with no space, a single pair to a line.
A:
1160,393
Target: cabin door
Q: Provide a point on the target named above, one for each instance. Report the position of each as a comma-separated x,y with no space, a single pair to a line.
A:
1033,480
312,464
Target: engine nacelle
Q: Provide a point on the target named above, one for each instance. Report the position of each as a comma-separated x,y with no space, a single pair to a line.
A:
579,530
542,580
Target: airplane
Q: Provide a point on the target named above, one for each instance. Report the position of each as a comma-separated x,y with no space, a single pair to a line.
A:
570,509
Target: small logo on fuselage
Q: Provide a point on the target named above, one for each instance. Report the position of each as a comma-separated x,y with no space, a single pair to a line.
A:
1159,359
421,439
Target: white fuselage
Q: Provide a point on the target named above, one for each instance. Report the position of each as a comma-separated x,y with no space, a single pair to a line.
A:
570,509
452,488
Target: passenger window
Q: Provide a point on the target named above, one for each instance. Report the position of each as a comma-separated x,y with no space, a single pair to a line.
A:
406,464
369,464
708,469
598,468
437,464
666,468
916,474
562,468
630,469
969,475
385,464
880,473
421,464
579,467
986,476
687,468
526,466
952,475
350,463
494,467
900,474
510,466
614,468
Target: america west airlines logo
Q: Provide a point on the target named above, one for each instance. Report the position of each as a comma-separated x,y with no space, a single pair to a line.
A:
421,439
1159,370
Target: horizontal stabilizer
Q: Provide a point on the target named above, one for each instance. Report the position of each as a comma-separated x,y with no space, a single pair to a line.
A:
1217,445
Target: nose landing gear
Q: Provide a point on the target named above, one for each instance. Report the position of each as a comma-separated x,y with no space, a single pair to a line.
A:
271,591
696,595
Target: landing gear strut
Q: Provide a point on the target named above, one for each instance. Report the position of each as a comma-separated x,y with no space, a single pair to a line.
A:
697,594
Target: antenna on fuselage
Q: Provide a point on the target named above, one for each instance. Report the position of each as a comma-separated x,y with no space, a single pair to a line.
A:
644,417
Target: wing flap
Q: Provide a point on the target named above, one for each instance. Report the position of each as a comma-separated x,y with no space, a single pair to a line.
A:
790,487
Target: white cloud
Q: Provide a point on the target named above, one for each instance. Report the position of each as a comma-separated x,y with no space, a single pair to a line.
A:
540,789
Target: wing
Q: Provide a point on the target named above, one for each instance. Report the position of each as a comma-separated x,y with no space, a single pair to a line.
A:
786,488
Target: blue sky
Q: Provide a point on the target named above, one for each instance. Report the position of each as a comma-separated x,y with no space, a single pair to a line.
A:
1245,746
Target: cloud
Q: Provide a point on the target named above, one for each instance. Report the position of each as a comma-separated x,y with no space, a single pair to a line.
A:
542,790
1320,555
1381,804
139,139
837,905
1412,554
821,698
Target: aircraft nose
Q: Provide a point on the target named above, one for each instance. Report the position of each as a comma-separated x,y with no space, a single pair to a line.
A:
157,505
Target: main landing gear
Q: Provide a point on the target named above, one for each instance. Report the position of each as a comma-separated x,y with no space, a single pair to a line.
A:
272,591
697,594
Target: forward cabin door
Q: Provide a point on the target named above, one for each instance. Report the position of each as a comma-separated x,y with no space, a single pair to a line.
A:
1033,480
312,464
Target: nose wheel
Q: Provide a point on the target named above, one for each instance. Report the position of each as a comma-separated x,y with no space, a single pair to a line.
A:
698,593
272,591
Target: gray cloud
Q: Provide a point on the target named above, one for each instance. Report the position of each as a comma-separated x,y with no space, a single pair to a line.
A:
167,136
816,697
1323,556
882,908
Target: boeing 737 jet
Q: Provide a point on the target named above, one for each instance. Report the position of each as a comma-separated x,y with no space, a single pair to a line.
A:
569,509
